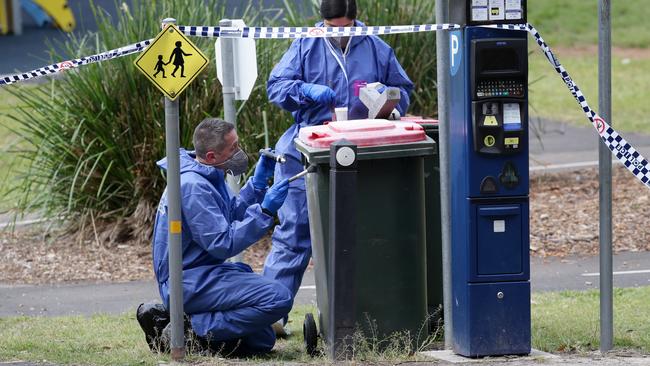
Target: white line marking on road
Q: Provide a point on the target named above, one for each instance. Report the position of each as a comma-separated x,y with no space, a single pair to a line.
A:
308,287
596,274
581,164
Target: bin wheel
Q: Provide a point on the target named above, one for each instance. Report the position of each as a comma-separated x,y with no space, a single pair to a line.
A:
310,334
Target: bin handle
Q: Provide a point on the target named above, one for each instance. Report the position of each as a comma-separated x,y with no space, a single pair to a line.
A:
499,211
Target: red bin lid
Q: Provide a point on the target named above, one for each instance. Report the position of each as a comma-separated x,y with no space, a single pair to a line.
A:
363,132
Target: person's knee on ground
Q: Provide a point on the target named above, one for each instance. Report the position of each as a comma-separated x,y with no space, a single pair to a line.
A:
239,332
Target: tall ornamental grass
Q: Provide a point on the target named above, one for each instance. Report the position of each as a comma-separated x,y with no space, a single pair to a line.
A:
94,135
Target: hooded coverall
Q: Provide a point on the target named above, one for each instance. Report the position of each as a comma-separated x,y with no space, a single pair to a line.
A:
225,301
315,60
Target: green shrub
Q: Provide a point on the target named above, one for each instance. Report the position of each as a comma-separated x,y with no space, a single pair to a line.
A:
95,134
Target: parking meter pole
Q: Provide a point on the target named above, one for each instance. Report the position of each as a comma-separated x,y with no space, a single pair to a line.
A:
343,213
174,224
442,50
228,91
605,177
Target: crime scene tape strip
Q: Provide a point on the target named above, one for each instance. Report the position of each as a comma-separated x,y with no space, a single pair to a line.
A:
308,32
66,65
231,32
624,152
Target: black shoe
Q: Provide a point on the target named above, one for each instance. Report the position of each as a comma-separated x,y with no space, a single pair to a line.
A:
153,319
193,343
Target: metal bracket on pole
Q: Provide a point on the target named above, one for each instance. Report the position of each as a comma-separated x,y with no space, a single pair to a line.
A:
342,243
174,225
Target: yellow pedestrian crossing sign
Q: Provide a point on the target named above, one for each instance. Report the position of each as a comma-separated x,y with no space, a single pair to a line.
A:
171,62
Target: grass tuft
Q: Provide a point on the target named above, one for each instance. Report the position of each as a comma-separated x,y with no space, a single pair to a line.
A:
110,340
569,321
562,322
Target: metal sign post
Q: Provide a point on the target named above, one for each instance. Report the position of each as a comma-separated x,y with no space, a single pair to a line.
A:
174,203
605,177
171,63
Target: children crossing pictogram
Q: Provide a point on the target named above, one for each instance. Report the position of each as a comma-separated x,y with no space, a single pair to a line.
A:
171,48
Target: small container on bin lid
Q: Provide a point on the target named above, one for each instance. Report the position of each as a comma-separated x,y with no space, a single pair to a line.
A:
341,113
366,132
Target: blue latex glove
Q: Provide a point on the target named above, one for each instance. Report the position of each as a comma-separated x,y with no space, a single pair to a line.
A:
275,196
319,93
263,171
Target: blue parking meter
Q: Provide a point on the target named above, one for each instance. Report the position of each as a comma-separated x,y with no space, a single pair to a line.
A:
489,183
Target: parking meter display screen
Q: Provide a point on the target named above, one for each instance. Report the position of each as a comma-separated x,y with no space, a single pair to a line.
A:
498,60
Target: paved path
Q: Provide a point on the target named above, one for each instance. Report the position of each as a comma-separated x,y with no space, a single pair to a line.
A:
631,269
555,146
116,298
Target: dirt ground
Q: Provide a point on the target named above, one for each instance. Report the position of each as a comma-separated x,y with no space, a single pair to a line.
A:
564,217
563,212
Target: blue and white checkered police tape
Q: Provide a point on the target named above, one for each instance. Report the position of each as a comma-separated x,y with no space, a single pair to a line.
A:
631,158
308,32
66,65
231,32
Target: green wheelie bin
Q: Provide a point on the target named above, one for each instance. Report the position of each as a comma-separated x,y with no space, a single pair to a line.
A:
389,290
434,229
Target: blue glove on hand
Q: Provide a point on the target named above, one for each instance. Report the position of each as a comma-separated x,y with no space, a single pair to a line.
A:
275,196
263,171
319,93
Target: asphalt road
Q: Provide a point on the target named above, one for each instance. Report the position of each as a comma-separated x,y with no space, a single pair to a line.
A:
556,146
552,274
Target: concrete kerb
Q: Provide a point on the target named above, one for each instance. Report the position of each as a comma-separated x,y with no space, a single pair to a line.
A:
615,358
450,357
